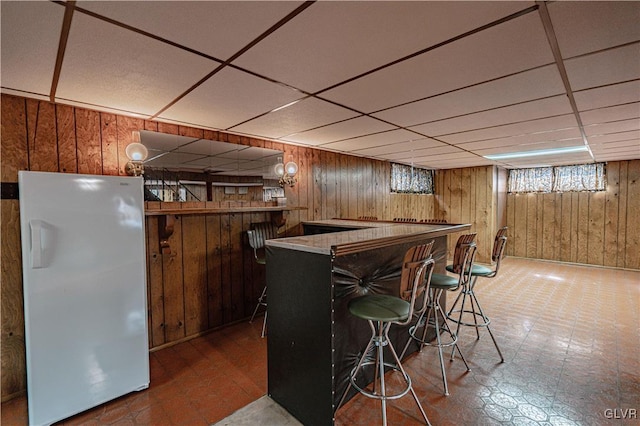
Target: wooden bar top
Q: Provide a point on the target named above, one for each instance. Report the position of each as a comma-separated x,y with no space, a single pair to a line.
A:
353,235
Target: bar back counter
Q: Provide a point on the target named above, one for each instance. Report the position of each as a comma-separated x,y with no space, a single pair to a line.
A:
313,341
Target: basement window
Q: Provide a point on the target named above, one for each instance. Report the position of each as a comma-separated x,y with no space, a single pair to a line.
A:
411,180
576,178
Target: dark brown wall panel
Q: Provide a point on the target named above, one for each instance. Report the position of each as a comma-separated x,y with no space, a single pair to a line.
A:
109,143
67,149
42,143
88,132
13,149
13,349
208,277
594,228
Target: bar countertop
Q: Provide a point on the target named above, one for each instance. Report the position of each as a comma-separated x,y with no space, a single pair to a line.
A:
360,235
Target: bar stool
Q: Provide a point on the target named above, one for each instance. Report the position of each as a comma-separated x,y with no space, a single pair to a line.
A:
381,311
463,257
480,319
259,233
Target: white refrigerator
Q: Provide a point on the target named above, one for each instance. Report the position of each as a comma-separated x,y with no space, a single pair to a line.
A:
83,262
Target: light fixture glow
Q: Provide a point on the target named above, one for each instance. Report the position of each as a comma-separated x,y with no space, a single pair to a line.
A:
286,172
136,153
536,153
291,168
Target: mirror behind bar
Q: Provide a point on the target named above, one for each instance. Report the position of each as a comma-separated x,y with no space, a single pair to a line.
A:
182,168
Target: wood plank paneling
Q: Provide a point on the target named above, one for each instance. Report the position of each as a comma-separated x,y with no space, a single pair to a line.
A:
205,281
595,228
67,150
12,348
13,149
155,288
237,267
632,249
520,225
42,143
611,215
194,262
566,232
88,132
109,140
173,285
214,270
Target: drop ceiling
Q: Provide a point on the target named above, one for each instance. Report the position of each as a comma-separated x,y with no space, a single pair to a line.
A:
436,84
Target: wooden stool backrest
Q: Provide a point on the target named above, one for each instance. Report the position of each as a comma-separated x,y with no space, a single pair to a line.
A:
464,253
417,267
498,244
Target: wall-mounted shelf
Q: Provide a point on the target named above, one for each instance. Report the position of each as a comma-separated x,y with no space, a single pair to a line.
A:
167,217
220,210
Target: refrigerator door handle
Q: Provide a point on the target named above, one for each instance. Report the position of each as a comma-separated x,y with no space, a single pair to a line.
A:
36,243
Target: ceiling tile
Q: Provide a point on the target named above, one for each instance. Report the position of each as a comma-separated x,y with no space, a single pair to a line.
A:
560,122
332,41
137,74
614,113
612,127
549,160
586,26
537,83
414,144
608,67
557,105
628,146
616,157
306,114
608,95
371,141
614,137
514,147
228,98
30,36
513,46
216,28
420,154
526,141
345,129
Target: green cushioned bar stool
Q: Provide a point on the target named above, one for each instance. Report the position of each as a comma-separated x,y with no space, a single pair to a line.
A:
381,311
257,235
434,317
474,310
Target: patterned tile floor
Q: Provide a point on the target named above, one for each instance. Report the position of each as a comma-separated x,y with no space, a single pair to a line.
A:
570,336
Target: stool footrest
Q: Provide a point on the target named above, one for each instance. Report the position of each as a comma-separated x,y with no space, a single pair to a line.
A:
485,320
375,395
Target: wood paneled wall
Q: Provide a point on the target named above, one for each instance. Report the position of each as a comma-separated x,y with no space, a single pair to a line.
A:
209,278
470,195
594,228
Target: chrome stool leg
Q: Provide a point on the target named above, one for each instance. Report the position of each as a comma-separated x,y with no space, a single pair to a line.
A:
261,302
478,315
380,339
437,311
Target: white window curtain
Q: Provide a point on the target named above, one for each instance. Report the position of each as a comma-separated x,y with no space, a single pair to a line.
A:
584,177
538,179
411,180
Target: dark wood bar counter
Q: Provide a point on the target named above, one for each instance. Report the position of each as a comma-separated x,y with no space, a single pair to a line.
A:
313,340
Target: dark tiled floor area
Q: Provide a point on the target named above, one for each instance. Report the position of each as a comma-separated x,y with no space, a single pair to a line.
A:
570,336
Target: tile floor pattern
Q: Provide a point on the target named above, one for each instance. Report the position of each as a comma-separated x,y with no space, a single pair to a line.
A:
570,336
